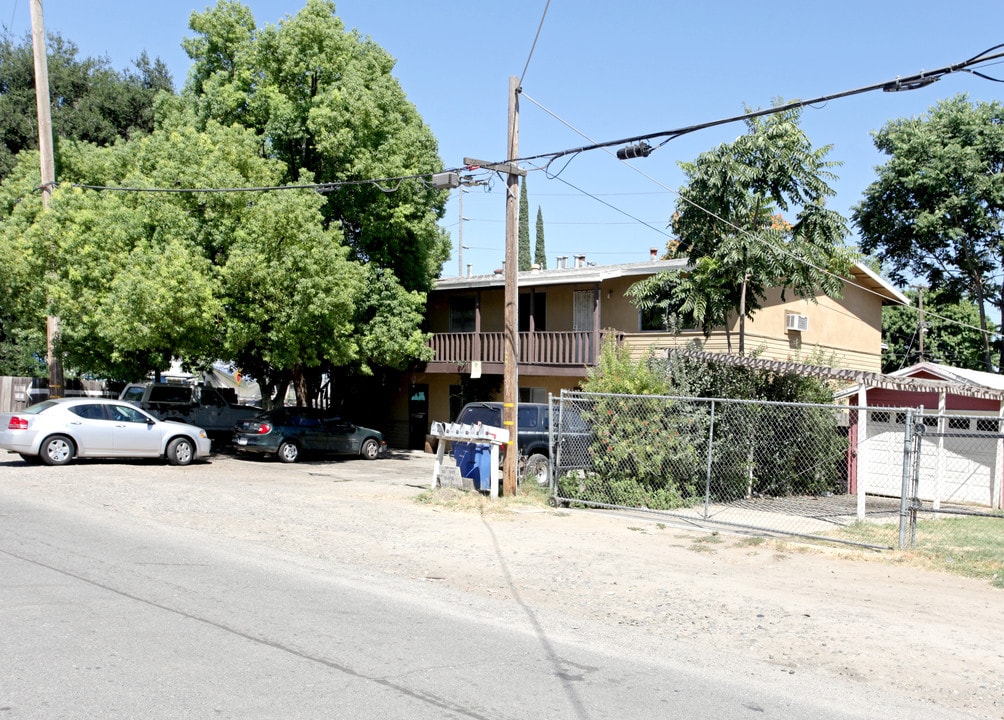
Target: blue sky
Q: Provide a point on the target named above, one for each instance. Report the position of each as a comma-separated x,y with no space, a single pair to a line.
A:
602,71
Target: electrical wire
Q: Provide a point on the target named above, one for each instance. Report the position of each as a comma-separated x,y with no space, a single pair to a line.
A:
910,82
612,207
534,45
843,280
383,184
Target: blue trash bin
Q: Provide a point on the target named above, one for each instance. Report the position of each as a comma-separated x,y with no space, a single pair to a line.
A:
483,459
475,462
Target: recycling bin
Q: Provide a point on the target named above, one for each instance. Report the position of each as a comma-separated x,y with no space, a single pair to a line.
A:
475,462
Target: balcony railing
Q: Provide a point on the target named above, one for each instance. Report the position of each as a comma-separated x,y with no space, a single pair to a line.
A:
569,348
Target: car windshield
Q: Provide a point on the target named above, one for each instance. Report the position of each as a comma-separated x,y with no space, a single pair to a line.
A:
484,414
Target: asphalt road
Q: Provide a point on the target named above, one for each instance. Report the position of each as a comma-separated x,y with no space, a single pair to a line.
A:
103,615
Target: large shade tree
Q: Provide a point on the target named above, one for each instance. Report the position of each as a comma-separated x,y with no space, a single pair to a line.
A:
730,222
141,277
936,211
324,103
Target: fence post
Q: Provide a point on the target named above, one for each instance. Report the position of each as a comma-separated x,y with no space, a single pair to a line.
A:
711,447
907,517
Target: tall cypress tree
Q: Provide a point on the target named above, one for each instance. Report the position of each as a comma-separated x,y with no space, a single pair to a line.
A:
524,228
540,255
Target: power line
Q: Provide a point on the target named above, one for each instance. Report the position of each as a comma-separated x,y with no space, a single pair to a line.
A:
381,183
843,280
910,82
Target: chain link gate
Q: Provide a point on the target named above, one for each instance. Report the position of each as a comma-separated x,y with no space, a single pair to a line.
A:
953,467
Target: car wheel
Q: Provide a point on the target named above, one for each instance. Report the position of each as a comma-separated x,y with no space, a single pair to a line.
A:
370,449
537,471
180,451
289,452
56,450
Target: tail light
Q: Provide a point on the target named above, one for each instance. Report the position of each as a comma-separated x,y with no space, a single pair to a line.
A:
263,429
17,423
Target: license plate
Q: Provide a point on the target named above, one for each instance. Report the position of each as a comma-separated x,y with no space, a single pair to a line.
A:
242,441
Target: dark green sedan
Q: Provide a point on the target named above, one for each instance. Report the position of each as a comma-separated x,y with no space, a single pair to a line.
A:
290,432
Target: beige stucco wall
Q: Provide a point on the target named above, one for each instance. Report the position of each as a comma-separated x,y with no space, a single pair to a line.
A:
843,332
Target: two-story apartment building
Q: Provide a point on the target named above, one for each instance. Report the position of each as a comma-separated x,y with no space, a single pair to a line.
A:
565,313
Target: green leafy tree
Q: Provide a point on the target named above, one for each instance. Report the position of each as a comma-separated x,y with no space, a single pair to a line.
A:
936,210
643,451
324,102
952,334
524,228
731,211
701,296
89,100
23,310
146,277
540,254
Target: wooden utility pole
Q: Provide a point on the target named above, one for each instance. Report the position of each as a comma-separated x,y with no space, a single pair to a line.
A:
510,343
920,319
510,378
48,174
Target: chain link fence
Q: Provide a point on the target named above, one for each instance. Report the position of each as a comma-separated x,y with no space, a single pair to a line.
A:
830,472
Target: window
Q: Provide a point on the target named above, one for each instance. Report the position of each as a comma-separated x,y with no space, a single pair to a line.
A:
958,423
661,319
133,393
988,425
89,412
126,413
462,314
533,394
879,417
171,393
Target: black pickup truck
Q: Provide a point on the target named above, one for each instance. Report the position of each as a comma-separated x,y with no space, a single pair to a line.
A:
213,409
533,425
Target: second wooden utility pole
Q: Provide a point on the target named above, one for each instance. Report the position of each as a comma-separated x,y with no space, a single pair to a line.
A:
48,174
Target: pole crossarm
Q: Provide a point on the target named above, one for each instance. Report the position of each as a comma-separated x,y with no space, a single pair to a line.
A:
509,168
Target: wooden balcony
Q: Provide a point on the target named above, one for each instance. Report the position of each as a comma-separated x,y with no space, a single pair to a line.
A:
540,353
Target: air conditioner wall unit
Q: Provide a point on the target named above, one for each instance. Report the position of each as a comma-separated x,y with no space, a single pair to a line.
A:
797,323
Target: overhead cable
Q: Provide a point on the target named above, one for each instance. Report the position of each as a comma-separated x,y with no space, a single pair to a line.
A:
910,82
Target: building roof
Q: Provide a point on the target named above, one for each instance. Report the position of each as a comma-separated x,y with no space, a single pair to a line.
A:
864,277
932,377
563,276
962,376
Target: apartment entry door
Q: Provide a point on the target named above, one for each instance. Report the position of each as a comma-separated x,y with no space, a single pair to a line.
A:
583,304
418,416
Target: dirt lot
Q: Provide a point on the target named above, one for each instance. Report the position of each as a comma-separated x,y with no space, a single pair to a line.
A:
861,615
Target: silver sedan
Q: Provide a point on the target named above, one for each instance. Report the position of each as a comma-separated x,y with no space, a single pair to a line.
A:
56,431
